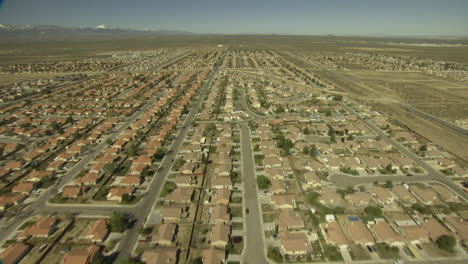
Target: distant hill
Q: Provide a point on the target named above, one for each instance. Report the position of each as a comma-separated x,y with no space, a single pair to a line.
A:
50,32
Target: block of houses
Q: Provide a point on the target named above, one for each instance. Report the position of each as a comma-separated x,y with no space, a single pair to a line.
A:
359,199
222,169
459,226
117,193
24,187
359,233
220,214
381,195
180,196
12,165
81,255
311,180
221,182
415,234
131,181
171,213
222,196
14,253
330,197
8,200
183,180
98,231
334,234
164,234
435,228
278,186
72,191
37,176
90,178
220,235
213,256
385,233
295,244
444,192
284,201
426,196
289,220
160,255
42,228
404,195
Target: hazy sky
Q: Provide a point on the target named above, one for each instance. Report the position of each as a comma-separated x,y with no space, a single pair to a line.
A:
349,17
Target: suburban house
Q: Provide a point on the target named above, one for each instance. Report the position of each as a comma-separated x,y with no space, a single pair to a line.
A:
220,234
294,244
359,199
116,193
415,233
42,228
385,233
180,196
14,253
164,234
284,201
213,256
381,195
160,255
97,231
219,214
289,220
404,195
171,214
334,234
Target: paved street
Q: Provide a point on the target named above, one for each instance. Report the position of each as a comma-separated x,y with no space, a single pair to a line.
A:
254,238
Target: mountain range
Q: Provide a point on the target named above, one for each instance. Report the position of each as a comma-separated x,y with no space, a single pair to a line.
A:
62,32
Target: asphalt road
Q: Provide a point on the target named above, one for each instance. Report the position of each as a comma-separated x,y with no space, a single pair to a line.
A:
254,238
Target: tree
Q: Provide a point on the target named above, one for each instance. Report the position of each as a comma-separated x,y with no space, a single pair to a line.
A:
159,154
263,182
306,131
118,222
99,259
423,148
132,150
178,163
388,184
446,242
127,260
280,109
109,168
312,197
333,138
374,211
328,112
69,119
350,137
146,230
305,150
256,147
389,167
